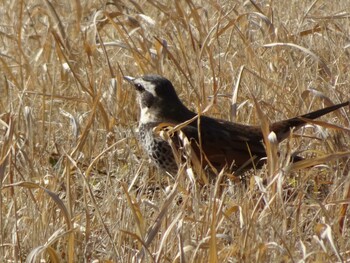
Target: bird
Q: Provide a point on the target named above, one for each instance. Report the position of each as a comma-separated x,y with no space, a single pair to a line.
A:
219,143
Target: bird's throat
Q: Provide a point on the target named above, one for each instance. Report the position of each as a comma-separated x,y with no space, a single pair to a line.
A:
149,115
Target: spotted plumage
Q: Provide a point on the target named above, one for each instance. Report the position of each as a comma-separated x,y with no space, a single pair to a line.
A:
223,143
158,149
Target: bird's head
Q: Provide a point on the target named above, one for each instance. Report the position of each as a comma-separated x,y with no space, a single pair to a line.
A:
157,99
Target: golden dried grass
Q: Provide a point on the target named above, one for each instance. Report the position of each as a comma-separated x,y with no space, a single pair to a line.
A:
75,184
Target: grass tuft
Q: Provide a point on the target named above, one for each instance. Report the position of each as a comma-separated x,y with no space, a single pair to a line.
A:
76,185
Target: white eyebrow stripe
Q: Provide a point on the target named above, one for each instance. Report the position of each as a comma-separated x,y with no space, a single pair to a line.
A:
148,86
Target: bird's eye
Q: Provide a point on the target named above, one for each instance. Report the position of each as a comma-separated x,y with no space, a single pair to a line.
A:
139,87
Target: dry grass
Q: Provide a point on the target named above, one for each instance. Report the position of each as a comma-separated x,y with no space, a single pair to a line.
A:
77,187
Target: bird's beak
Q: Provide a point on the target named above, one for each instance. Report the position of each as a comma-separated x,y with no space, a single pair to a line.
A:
129,79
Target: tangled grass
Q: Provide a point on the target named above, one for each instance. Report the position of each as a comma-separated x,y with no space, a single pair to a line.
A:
77,187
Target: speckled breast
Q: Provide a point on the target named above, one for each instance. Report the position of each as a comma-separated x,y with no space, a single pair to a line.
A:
157,149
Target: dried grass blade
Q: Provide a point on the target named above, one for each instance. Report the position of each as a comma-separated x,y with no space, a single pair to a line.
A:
61,206
154,228
233,114
344,207
326,125
136,211
305,50
271,146
318,160
166,234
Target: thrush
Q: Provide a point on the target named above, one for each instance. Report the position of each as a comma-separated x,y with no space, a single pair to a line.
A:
221,143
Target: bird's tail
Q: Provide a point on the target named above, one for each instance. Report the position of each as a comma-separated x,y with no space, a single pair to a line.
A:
321,112
282,128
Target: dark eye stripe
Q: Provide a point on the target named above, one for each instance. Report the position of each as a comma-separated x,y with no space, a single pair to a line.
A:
147,99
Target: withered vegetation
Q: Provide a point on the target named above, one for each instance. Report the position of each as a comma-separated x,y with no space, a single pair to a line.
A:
77,187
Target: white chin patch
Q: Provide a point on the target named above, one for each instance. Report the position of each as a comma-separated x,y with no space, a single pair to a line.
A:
147,115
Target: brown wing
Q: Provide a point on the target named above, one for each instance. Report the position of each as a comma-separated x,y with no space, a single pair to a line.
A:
224,143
